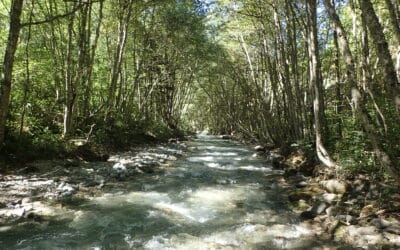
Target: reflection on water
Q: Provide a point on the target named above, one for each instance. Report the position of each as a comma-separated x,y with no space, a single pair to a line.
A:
214,199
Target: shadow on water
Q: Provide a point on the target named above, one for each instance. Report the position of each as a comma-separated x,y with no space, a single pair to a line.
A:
219,197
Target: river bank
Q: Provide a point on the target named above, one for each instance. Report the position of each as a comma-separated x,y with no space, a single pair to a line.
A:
352,208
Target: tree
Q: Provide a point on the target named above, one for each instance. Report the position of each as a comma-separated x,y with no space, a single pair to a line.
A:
316,84
385,59
8,64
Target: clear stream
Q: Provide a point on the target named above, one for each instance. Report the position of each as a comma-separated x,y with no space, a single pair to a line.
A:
218,197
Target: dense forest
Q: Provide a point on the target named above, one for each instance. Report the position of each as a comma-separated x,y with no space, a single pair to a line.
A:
322,75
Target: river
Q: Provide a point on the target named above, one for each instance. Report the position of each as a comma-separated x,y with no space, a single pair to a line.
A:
219,196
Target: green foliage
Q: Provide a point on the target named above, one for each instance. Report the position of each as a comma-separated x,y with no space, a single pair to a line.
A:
28,147
228,66
355,154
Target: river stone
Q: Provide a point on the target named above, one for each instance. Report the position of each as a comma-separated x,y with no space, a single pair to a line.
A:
348,219
226,137
334,186
319,207
394,229
302,204
380,223
340,232
259,148
368,210
362,236
332,210
394,241
301,184
329,197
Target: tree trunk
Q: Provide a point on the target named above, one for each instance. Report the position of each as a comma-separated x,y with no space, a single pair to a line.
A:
316,83
88,86
357,94
396,30
382,50
337,83
116,69
8,63
27,81
70,95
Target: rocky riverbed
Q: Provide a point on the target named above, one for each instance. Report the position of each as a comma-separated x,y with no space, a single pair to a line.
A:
44,190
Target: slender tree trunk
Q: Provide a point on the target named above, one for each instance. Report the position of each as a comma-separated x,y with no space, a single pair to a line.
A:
83,43
69,83
116,69
27,81
337,82
8,63
88,86
316,83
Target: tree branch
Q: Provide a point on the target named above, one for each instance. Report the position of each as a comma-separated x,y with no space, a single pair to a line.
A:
53,18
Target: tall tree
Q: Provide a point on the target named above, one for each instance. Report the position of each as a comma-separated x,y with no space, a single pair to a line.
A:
382,49
316,84
8,63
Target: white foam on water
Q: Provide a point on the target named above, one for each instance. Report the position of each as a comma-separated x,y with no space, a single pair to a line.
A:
223,149
184,210
221,167
157,242
255,169
146,198
220,154
201,159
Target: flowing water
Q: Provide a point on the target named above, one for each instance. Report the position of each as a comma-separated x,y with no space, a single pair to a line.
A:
218,197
